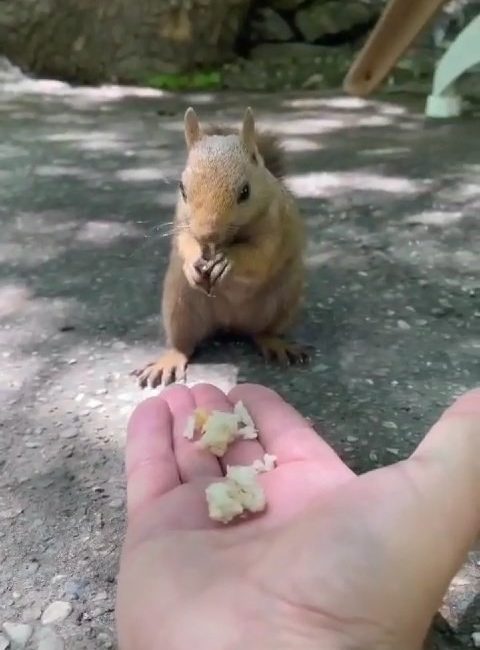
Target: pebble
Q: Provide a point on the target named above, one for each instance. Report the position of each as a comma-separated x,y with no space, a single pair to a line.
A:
75,588
476,639
389,425
102,595
403,325
19,633
105,640
48,639
4,642
31,444
56,611
69,433
116,503
31,613
93,403
10,513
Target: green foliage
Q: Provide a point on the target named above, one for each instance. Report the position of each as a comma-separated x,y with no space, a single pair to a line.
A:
206,80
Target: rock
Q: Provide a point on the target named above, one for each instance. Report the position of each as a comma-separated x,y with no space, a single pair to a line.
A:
314,81
18,633
476,639
10,513
56,612
323,19
403,325
267,25
110,40
48,639
75,588
31,613
4,642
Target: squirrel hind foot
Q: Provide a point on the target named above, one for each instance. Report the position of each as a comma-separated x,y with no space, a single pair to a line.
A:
276,349
169,368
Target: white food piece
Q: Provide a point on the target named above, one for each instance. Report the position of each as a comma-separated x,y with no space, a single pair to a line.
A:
223,502
267,464
220,430
244,416
239,492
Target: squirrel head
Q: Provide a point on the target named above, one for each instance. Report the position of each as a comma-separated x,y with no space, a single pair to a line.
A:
225,185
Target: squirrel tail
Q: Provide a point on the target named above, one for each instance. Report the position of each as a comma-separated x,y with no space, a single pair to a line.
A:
268,144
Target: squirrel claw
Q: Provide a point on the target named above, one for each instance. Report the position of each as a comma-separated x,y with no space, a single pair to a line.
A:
169,368
275,349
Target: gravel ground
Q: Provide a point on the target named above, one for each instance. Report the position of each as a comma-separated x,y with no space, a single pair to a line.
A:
88,178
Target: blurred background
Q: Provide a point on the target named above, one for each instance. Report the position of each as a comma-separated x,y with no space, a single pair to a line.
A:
211,44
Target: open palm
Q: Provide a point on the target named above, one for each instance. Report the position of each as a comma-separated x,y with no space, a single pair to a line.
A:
335,559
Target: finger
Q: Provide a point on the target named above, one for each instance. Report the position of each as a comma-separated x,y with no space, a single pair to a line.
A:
241,452
192,461
283,432
150,461
428,507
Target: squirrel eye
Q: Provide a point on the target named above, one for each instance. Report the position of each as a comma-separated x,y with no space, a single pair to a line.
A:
244,193
182,190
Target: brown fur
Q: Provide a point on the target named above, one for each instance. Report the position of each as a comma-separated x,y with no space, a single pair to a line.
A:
268,144
260,292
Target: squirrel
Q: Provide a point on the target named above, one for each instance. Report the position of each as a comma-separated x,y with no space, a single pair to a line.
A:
236,260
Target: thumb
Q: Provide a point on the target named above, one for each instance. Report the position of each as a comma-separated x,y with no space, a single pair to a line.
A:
433,512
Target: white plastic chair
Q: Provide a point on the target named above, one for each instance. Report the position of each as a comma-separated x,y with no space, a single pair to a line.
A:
462,55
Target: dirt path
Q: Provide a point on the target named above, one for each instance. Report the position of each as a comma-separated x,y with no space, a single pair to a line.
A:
88,179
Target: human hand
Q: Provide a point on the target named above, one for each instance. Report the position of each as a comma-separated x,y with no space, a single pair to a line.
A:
337,561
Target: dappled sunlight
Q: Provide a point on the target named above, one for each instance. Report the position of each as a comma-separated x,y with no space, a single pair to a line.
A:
303,126
301,144
325,184
434,218
384,152
140,174
104,233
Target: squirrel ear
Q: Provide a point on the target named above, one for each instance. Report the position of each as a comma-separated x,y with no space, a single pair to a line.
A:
192,128
248,130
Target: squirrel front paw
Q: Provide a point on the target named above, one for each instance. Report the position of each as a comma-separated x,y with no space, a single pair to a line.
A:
217,269
196,277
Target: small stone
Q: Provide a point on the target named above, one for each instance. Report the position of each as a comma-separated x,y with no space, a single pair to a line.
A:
393,451
373,456
72,362
119,345
352,439
93,403
31,444
101,391
314,81
102,595
56,611
10,513
75,588
69,433
105,640
48,639
403,325
269,26
116,503
389,425
4,642
18,633
31,614
476,639
58,578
